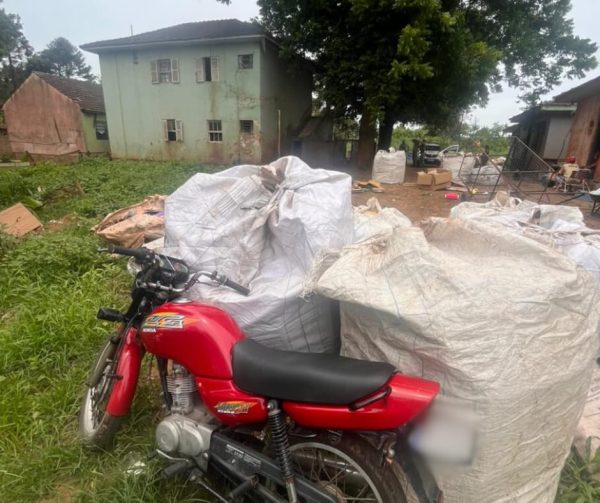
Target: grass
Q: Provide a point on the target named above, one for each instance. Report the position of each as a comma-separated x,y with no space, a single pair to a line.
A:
51,286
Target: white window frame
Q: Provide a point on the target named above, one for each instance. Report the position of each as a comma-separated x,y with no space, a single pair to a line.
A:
241,58
171,75
172,126
215,63
215,130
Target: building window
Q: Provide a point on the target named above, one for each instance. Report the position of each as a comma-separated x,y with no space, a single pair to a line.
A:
172,130
207,69
247,127
215,131
165,71
101,129
245,61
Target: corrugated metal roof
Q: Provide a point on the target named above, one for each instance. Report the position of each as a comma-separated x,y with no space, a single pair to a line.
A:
88,95
581,92
544,107
187,32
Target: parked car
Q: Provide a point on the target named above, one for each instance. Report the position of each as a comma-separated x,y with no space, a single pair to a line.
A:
430,154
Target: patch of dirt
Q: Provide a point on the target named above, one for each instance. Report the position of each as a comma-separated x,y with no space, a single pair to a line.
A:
64,493
418,204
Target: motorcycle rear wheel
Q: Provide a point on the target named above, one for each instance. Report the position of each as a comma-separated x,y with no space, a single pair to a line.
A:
348,469
97,427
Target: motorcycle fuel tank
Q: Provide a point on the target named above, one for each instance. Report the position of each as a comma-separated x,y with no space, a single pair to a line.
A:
198,336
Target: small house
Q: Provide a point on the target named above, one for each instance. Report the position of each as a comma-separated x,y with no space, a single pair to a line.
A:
50,116
545,129
212,91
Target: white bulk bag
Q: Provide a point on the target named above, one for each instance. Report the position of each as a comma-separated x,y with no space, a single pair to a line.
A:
263,227
389,167
505,324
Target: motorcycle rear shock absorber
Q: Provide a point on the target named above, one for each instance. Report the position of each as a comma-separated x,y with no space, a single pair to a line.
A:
281,444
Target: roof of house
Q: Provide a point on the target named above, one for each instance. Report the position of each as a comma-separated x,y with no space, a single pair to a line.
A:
550,107
88,95
590,88
182,33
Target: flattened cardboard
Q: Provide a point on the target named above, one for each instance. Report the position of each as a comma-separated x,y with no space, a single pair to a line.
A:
18,220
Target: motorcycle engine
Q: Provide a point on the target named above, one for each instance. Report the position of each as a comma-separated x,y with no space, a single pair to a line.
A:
187,430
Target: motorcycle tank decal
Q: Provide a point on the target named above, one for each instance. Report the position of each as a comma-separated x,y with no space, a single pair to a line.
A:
163,320
234,407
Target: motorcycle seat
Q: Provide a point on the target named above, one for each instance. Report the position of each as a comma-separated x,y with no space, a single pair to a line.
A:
305,377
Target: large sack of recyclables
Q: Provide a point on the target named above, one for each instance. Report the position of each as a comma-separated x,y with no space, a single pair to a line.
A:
263,226
506,325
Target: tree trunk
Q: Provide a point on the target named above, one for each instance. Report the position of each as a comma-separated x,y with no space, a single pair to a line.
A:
386,130
366,141
13,73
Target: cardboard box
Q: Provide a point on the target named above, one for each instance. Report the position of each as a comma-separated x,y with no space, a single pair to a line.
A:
434,179
18,220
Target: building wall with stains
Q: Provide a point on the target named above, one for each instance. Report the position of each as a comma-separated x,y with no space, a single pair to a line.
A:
136,108
584,130
286,90
94,145
42,121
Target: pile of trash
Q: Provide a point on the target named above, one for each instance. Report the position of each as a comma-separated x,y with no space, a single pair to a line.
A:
480,308
263,226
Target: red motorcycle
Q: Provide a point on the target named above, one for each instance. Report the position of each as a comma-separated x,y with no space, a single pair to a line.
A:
279,426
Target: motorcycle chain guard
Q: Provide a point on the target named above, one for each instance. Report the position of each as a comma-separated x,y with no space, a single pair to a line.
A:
243,463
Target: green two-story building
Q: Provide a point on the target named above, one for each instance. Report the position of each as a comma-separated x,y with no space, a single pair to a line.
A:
211,91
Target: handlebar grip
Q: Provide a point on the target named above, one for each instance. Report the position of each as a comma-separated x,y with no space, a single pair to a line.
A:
138,253
237,287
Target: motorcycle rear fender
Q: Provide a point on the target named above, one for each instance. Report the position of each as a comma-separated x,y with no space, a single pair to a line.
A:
126,375
407,398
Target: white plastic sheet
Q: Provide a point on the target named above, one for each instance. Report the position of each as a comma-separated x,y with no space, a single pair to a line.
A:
504,323
463,164
263,227
389,167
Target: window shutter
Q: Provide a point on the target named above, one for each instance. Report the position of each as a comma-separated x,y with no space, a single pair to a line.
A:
154,71
179,130
200,70
175,71
214,69
165,128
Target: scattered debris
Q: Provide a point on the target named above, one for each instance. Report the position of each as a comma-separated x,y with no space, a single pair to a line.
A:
136,224
367,186
18,220
434,179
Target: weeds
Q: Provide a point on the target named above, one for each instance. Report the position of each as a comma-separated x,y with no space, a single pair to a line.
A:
51,285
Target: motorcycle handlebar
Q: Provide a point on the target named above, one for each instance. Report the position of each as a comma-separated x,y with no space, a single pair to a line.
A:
138,253
237,287
143,254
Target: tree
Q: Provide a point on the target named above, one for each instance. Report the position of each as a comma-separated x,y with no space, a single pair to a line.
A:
427,61
61,58
14,49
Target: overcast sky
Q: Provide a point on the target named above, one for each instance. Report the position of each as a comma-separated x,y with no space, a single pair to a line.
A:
84,21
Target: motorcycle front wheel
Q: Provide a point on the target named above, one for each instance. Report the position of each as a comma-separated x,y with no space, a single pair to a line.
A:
348,469
97,428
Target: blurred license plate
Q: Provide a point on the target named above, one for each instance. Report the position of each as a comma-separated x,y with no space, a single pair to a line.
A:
445,436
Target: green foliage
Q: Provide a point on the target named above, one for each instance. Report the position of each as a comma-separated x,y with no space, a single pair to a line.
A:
62,58
577,485
427,61
14,50
467,137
